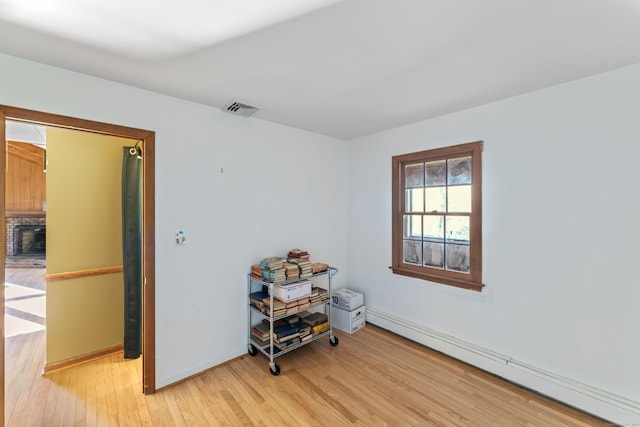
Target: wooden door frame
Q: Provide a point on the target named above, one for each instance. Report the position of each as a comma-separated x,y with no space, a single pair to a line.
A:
148,221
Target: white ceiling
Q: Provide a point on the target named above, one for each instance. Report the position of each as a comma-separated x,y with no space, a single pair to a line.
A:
26,132
347,68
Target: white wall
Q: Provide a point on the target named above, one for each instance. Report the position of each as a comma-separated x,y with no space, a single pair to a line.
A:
242,189
560,219
561,234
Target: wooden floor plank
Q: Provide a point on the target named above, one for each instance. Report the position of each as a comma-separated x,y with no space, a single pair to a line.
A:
372,378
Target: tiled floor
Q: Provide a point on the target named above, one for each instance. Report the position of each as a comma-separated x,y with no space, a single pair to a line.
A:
25,301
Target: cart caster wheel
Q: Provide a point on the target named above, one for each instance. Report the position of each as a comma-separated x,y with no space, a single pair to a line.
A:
252,350
333,341
276,371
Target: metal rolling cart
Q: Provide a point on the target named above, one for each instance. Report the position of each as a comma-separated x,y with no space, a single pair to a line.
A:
254,284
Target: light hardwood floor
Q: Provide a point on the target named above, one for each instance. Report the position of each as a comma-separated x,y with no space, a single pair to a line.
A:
372,378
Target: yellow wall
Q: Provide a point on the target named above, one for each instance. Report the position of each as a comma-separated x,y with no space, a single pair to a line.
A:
84,231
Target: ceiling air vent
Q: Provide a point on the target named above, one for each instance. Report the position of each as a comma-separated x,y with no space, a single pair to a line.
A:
239,109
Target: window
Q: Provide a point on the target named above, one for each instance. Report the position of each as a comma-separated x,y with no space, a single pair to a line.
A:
437,215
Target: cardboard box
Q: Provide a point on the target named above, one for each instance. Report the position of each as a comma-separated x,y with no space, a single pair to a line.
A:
348,321
347,299
292,291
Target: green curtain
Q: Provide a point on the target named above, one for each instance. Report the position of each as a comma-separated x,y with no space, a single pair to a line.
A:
132,249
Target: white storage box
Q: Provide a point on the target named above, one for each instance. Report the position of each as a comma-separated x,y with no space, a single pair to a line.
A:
347,299
292,291
348,321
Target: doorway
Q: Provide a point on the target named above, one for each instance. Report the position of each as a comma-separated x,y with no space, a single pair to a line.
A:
25,210
148,220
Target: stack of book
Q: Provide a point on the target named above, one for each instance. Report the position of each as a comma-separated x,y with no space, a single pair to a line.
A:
304,330
294,306
256,299
297,265
256,272
294,318
304,303
279,307
274,276
292,271
299,254
318,295
305,268
319,322
272,263
273,269
318,329
260,334
285,335
318,267
291,306
303,260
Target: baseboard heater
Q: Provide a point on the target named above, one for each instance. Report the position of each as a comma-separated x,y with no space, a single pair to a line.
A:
589,399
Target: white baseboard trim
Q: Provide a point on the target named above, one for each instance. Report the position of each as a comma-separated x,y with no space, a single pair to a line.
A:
598,402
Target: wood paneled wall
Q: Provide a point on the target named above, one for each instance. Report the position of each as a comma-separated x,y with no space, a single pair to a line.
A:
25,177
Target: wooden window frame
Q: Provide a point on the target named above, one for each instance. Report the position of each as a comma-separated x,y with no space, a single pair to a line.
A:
471,280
